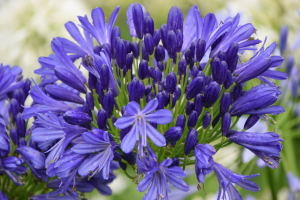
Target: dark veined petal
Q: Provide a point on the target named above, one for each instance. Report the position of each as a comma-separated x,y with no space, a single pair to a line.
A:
144,184
178,182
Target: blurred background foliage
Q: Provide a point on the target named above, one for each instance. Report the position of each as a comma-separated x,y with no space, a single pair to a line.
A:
28,26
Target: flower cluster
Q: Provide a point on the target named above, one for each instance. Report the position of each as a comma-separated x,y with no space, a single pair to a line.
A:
154,103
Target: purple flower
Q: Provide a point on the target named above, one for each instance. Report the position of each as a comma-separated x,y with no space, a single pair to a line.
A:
204,163
283,38
294,184
227,177
12,167
139,119
266,146
156,180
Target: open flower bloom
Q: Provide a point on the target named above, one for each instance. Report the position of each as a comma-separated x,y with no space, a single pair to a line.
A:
139,119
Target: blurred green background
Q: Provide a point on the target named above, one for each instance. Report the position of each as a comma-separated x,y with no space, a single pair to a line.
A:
28,26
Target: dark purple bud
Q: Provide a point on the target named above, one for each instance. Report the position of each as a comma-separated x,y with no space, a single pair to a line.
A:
237,92
283,38
108,103
208,80
251,121
188,57
145,55
128,47
156,37
160,65
100,92
130,158
173,134
225,103
289,64
138,20
102,119
104,76
70,79
129,61
215,121
166,96
160,88
63,94
15,107
171,83
155,74
92,81
141,89
192,121
123,166
226,123
14,135
222,56
149,43
190,141
177,93
201,74
181,121
26,87
121,53
200,49
219,70
21,125
179,39
115,33
160,53
136,49
189,108
232,56
195,87
106,47
175,19
19,96
206,120
228,81
211,94
198,103
192,49
163,34
77,117
175,162
182,67
143,70
97,50
217,41
148,89
90,100
149,97
161,101
194,71
113,119
117,156
171,44
124,132
149,25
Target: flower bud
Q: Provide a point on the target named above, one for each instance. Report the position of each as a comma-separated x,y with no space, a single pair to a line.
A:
206,120
148,89
200,49
145,55
115,33
160,66
175,19
130,158
149,97
198,103
237,92
219,70
179,40
132,90
166,96
92,81
21,125
70,79
138,20
160,53
194,71
251,121
104,76
289,64
195,87
77,117
100,92
106,47
283,38
149,25
121,53
222,56
97,50
208,80
90,100
228,81
149,43
19,96
190,141
175,162
225,103
156,74
217,41
192,121
226,120
211,94
156,37
128,47
181,121
177,93
171,83
188,57
232,56
136,50
14,107
163,34
14,135
129,61
143,70
173,134
161,103
102,119
141,89
108,103
215,121
26,87
63,94
189,108
117,156
171,44
5,145
182,64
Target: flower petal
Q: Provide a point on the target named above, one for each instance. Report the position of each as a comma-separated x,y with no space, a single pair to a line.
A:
163,116
129,140
133,108
151,106
155,136
124,122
